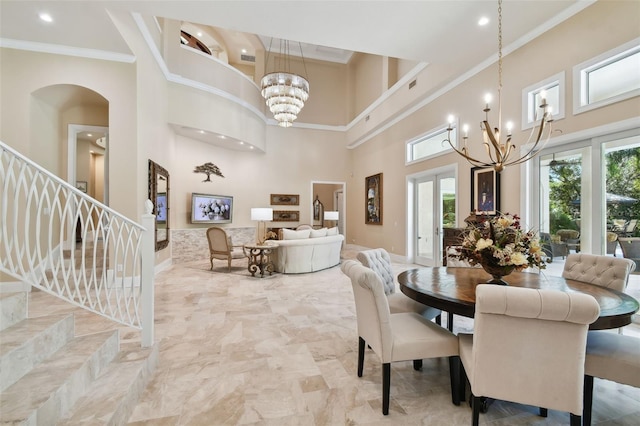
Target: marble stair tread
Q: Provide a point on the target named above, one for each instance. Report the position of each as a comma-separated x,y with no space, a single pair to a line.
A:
111,398
13,308
59,381
29,342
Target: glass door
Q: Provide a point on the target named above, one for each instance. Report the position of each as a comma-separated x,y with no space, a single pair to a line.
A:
435,203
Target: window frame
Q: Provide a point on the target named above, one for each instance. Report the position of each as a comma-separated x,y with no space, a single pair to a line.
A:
582,70
441,129
529,93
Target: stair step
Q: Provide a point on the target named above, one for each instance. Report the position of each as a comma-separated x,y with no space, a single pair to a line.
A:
44,394
112,398
13,308
29,342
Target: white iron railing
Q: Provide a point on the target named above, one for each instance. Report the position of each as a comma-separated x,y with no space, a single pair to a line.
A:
58,239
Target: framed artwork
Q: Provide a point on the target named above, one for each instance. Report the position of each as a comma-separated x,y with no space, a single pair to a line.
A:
208,208
485,191
285,199
81,185
286,215
161,207
373,199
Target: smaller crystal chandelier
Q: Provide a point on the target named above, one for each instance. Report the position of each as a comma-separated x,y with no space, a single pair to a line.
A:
284,91
499,152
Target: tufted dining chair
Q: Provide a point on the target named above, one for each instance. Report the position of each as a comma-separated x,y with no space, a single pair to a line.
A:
379,261
528,347
608,356
612,357
221,247
396,337
605,271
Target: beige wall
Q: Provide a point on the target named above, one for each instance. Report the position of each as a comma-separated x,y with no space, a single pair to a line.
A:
139,100
582,37
293,159
25,123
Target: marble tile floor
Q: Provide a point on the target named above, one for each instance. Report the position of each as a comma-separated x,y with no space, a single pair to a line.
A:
282,350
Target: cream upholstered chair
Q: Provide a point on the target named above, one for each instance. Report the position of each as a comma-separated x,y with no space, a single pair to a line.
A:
396,337
379,261
612,357
528,347
221,247
605,271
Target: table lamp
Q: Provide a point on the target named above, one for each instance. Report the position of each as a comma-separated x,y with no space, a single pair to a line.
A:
261,215
331,215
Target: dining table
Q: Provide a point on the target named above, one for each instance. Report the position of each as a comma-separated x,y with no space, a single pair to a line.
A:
453,290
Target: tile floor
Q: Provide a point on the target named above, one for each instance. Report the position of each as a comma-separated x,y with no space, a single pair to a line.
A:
237,350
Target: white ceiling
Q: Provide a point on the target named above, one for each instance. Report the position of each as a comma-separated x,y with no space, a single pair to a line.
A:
427,31
431,31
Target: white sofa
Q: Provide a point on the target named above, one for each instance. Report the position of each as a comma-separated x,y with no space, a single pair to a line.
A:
308,250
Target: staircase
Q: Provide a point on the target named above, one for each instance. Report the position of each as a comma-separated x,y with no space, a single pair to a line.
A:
49,375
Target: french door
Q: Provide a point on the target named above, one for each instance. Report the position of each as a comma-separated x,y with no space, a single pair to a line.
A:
435,209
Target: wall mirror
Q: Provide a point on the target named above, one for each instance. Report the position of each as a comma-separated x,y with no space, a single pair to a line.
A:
159,195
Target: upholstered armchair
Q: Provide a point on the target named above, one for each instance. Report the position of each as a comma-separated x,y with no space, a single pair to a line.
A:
379,261
396,337
528,347
221,247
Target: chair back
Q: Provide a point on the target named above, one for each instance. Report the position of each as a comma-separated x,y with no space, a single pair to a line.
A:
372,307
604,271
529,345
218,241
380,262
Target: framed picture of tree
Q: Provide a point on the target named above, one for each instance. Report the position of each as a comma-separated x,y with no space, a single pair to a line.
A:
373,199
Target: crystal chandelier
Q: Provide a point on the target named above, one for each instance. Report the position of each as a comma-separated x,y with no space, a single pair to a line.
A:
284,91
500,152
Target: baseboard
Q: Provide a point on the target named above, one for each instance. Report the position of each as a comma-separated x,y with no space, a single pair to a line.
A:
163,266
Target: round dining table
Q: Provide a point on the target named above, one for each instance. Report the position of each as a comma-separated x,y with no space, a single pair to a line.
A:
454,290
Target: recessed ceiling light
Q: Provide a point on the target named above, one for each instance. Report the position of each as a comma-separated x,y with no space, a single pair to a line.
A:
199,33
241,143
222,136
251,147
483,21
46,17
201,132
244,50
89,135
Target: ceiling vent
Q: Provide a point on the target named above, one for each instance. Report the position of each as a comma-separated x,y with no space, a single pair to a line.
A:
413,84
248,58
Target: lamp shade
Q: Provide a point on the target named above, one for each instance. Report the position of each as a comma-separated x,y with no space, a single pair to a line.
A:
331,215
261,213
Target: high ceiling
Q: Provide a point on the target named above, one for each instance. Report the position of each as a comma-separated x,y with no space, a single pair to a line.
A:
431,31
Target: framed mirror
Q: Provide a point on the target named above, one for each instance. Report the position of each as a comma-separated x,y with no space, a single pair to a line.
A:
159,195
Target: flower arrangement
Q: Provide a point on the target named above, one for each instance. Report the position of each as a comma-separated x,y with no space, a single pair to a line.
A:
500,242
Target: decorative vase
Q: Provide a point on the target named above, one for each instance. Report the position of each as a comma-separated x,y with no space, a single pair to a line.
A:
497,272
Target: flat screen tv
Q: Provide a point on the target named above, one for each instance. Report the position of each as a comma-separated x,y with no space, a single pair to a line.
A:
207,208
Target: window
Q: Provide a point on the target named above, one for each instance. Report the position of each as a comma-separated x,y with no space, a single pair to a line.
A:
553,90
430,144
608,78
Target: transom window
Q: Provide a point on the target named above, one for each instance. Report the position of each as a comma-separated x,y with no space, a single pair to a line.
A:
607,78
552,90
430,144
